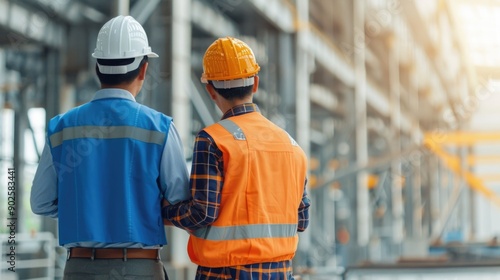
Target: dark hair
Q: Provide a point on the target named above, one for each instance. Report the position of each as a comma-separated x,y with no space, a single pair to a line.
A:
233,93
116,79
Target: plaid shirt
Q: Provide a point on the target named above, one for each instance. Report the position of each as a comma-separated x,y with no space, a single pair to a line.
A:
207,180
260,271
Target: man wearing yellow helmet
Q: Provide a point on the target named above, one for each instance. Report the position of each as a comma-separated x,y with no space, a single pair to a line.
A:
108,164
247,180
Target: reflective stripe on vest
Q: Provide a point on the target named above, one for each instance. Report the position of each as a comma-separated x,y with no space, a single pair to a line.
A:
233,128
218,233
294,143
238,133
107,132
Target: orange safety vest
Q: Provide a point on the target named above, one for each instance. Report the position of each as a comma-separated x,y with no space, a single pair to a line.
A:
264,175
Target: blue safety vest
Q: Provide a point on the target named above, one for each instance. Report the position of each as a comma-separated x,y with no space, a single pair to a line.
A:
107,157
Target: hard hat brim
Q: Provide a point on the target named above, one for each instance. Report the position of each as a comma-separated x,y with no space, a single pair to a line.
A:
120,69
150,54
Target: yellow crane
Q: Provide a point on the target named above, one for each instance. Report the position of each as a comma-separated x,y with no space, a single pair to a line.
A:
436,142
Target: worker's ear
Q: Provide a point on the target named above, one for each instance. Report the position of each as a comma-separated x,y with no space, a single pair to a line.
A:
211,91
142,71
255,84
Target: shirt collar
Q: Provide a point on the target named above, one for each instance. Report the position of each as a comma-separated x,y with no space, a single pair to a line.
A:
241,109
113,93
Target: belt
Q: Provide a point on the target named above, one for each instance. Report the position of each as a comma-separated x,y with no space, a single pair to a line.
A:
113,253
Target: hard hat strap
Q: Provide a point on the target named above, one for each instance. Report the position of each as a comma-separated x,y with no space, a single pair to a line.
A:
234,83
120,69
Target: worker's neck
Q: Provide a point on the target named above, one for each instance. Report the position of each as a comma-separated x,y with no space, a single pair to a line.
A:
128,87
228,105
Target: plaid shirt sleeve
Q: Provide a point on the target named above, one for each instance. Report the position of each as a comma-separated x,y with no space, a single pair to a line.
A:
206,185
304,210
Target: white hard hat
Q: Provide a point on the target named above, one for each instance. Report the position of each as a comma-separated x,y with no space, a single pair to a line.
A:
122,37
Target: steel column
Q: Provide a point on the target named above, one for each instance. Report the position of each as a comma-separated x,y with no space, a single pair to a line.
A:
52,103
3,90
286,88
464,206
20,121
415,160
302,102
395,119
362,201
181,107
121,7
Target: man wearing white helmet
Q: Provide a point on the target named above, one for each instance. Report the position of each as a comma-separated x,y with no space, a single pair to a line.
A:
107,166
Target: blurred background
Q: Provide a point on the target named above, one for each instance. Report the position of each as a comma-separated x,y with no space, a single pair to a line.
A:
394,101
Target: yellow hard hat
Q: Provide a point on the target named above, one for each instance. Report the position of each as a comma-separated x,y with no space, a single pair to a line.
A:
229,63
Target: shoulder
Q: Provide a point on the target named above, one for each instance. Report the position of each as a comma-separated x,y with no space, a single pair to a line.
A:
149,117
60,120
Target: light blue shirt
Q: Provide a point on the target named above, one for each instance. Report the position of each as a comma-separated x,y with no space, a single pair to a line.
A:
174,176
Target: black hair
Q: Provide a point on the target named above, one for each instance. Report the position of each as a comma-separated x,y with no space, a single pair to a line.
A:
233,93
116,79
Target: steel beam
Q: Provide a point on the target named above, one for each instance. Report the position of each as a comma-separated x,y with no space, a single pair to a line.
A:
462,138
328,55
211,21
482,159
416,24
25,25
330,58
71,10
461,45
207,118
372,164
278,13
143,9
488,72
454,164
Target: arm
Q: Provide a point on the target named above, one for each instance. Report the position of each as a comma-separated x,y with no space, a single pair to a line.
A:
304,210
206,186
43,197
165,203
174,176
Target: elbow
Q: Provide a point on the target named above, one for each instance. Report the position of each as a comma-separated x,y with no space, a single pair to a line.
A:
38,210
44,210
204,220
201,218
35,208
303,227
207,220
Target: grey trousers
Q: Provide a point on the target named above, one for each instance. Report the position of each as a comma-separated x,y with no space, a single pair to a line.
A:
115,269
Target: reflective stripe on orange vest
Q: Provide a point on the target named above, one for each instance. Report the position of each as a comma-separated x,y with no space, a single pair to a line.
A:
248,231
233,128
